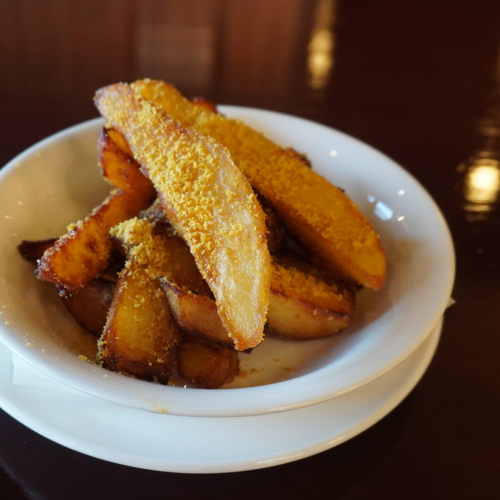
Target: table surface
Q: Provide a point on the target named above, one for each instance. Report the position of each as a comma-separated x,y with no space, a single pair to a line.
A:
420,81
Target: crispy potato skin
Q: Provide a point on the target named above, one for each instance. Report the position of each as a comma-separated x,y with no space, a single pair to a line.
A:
319,213
80,255
208,201
89,305
196,314
206,365
32,251
141,335
182,269
120,141
119,167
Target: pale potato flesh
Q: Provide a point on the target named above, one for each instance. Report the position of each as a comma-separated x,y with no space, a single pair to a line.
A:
305,304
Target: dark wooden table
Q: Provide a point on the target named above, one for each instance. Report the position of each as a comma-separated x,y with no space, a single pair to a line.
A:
418,80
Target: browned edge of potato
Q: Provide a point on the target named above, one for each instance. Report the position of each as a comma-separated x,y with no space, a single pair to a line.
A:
33,250
82,253
141,334
196,314
206,365
119,167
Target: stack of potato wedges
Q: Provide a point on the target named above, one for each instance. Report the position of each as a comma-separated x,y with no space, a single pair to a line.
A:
211,236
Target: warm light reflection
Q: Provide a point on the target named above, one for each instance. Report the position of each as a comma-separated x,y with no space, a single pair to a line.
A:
321,44
482,183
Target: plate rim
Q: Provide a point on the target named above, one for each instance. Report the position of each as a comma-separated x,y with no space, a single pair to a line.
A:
332,437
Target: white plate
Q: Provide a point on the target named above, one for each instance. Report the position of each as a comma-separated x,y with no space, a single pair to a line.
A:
57,182
196,444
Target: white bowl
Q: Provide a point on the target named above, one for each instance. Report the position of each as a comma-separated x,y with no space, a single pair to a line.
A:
56,182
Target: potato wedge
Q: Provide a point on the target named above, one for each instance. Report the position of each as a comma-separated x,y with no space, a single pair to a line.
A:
206,365
120,141
141,334
32,251
196,314
119,167
165,253
319,213
305,303
208,201
90,305
81,254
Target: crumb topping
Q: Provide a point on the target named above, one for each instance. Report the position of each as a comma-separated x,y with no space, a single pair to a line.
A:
280,175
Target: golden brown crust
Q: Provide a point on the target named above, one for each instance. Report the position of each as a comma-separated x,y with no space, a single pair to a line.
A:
206,365
80,255
119,167
318,212
208,201
141,335
196,314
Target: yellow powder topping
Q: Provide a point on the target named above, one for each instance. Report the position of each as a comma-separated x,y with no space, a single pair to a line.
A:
209,202
297,192
276,172
142,247
289,279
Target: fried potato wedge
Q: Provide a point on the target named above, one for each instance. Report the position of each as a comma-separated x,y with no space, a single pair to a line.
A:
319,213
82,253
196,314
208,201
305,303
206,365
32,251
141,334
165,253
120,141
182,268
119,167
90,305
